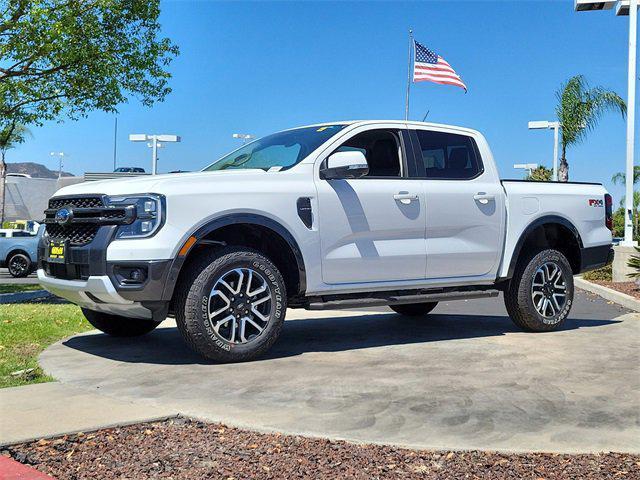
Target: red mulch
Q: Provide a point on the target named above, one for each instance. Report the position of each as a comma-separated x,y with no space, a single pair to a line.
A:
187,449
630,288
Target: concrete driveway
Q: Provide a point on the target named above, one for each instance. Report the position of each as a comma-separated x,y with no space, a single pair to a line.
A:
462,378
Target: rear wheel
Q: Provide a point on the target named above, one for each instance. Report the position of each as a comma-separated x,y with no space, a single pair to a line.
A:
540,294
19,265
118,326
231,304
414,309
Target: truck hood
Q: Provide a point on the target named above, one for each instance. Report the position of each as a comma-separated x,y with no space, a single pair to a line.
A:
163,184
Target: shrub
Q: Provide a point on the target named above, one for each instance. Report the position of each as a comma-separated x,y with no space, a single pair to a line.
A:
604,274
634,262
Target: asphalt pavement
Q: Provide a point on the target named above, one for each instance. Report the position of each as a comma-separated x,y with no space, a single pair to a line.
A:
6,278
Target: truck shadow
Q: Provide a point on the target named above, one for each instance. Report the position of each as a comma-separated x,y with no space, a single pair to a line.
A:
165,346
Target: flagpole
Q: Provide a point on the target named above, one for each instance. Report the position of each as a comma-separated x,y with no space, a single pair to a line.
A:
406,108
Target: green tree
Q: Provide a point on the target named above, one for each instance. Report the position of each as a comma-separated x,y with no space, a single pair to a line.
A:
579,109
618,222
636,213
620,178
10,137
540,174
64,58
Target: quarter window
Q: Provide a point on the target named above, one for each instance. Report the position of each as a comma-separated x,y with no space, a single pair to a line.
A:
448,155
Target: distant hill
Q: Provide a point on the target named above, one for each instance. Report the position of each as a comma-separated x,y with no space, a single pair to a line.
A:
36,170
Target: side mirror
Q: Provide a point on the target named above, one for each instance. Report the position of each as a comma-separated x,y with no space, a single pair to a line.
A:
351,164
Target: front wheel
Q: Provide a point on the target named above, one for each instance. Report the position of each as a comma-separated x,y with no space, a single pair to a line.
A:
231,304
540,294
117,325
414,309
19,265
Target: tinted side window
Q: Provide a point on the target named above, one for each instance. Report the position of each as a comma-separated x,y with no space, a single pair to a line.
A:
448,155
381,149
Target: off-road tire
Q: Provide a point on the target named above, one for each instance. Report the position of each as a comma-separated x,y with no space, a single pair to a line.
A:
25,262
119,326
192,297
414,309
518,295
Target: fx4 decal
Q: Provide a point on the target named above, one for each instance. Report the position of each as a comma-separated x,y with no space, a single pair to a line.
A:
595,202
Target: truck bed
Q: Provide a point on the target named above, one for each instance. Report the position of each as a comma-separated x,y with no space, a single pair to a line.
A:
580,203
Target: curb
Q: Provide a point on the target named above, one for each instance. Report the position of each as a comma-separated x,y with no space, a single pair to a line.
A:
92,428
623,299
23,296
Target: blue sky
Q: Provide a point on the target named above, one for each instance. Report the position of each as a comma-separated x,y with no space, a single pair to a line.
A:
257,67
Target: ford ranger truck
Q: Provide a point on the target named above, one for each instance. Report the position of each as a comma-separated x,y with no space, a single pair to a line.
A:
337,215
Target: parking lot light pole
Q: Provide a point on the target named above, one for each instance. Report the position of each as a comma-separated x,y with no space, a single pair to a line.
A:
631,121
529,167
60,156
624,7
243,136
153,139
556,129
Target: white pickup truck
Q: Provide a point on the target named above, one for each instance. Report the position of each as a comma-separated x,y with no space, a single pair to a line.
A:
338,215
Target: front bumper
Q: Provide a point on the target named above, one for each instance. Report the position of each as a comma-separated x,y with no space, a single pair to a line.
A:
92,282
95,293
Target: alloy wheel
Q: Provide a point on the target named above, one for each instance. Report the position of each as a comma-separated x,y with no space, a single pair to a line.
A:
548,290
240,305
18,265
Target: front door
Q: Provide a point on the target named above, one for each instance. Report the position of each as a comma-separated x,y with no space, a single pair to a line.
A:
372,229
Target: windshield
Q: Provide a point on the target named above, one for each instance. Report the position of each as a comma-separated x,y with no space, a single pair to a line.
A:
283,149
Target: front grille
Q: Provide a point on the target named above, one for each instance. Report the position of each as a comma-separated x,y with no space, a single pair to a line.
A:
76,234
88,214
77,202
114,213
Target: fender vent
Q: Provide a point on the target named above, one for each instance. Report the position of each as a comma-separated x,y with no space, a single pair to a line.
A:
304,211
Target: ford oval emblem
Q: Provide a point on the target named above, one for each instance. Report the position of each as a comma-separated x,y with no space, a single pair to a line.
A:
64,216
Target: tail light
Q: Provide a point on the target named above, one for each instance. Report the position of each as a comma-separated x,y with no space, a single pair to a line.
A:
608,211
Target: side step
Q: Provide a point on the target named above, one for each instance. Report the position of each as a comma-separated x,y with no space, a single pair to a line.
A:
401,299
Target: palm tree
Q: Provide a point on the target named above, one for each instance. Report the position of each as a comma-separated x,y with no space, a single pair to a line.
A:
10,136
579,109
620,178
540,174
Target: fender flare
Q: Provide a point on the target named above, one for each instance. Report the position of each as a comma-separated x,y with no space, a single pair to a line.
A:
235,219
544,220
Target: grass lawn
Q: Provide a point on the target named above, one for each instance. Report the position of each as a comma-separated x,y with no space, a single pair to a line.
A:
15,288
28,328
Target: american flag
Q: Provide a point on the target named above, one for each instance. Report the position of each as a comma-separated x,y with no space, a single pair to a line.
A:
428,66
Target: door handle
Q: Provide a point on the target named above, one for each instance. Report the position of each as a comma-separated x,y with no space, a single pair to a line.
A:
484,198
405,197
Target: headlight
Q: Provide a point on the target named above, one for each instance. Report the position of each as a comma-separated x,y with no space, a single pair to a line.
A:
149,214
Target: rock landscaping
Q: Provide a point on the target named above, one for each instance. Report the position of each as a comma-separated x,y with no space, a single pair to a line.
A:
187,449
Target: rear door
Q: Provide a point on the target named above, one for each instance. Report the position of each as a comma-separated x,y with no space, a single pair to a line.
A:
372,229
464,205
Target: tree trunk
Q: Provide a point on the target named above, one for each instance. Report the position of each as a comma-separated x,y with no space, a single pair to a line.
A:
3,182
563,169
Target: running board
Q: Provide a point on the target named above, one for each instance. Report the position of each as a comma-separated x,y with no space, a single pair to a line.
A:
401,299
